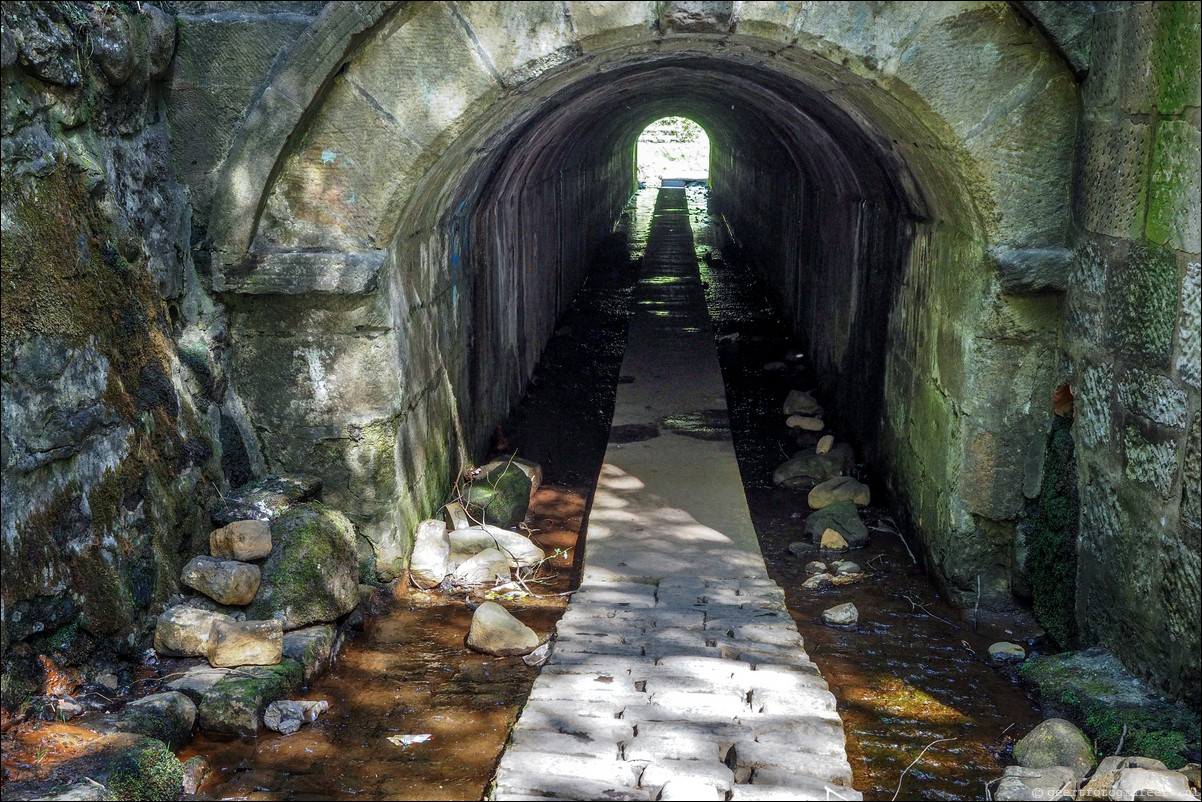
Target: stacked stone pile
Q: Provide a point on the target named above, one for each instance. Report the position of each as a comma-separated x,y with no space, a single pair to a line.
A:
273,588
1054,762
822,468
471,548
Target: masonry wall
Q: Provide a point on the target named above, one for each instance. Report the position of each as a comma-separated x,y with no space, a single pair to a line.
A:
1131,341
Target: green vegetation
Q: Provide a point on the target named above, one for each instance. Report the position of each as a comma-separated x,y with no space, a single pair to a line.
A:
672,147
147,771
1092,690
1051,529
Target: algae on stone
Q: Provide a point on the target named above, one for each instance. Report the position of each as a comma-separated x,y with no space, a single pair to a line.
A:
312,574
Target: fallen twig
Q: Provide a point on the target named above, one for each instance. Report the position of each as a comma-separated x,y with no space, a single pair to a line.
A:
1118,750
922,607
894,531
920,754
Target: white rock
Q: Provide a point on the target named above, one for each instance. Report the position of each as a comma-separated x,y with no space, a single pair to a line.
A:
817,581
825,443
815,567
457,517
519,550
805,423
1003,651
841,614
431,547
845,567
287,715
495,631
485,568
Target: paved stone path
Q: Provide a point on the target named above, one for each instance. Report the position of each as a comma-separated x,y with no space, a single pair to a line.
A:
676,671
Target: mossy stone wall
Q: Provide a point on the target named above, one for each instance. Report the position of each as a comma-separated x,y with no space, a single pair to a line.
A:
1131,344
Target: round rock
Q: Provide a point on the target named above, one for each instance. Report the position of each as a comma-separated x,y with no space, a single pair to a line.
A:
224,581
495,631
841,615
1054,742
841,488
1004,651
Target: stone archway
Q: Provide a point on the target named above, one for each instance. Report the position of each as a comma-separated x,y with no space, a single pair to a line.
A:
396,253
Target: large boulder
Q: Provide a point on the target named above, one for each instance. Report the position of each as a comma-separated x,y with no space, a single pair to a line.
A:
431,547
246,643
312,574
224,581
841,517
841,488
495,631
241,540
518,549
169,716
808,468
183,631
499,495
1055,742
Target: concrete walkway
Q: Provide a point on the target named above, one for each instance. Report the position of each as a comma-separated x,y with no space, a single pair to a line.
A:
676,672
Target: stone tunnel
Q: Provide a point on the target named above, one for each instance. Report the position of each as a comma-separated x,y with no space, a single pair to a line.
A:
381,209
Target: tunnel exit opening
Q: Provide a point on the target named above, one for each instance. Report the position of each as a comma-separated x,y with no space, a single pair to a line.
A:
674,150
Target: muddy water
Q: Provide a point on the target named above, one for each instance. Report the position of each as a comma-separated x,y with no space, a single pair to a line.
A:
910,673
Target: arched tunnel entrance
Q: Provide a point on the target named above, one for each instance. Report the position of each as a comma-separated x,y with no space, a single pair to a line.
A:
435,224
675,148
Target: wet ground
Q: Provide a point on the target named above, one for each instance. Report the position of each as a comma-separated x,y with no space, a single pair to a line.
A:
909,674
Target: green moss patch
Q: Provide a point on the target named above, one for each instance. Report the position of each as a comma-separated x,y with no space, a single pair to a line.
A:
1051,532
1093,690
146,770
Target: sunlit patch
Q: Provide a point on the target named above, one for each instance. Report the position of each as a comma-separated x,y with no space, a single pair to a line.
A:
892,697
672,147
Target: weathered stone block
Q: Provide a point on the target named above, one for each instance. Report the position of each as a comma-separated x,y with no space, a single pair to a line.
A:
183,631
241,540
225,581
299,273
1175,192
246,643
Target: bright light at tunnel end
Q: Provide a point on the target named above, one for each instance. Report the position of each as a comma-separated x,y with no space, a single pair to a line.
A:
672,147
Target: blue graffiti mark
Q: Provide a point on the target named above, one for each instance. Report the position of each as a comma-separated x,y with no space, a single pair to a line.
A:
328,156
351,199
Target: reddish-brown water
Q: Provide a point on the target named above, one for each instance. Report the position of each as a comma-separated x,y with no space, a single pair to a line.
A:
407,673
